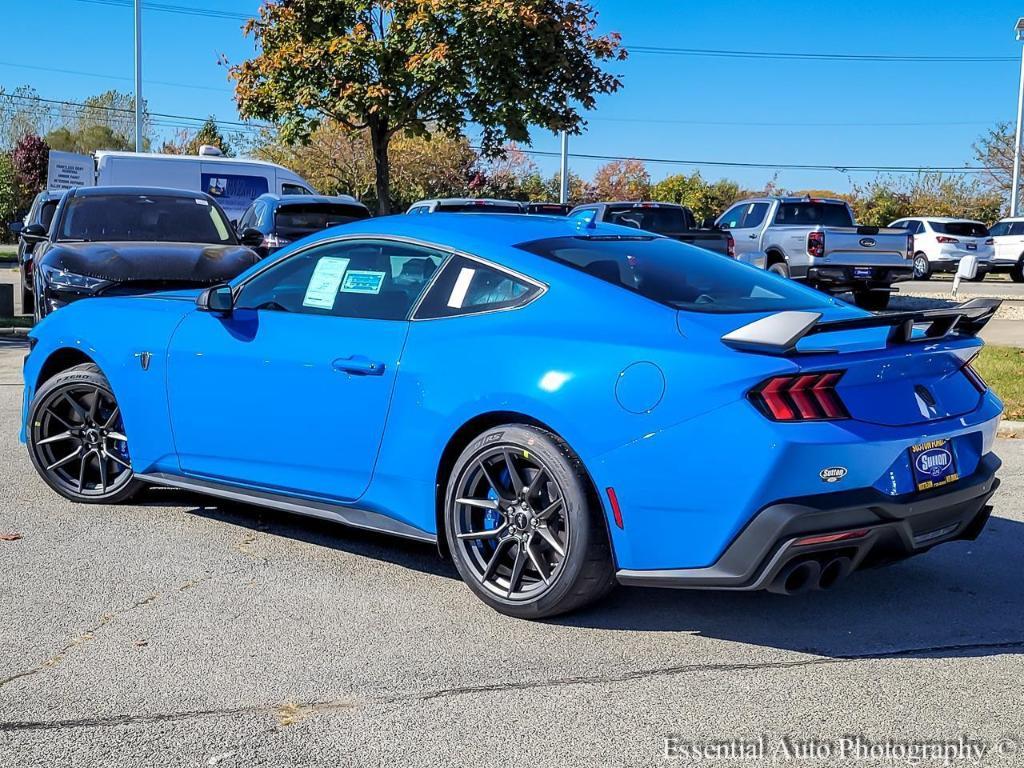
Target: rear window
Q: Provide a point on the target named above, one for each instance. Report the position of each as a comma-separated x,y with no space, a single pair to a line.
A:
156,218
479,207
667,220
814,214
310,217
678,275
960,228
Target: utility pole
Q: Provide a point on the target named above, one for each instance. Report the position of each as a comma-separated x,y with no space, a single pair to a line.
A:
138,75
563,195
1015,188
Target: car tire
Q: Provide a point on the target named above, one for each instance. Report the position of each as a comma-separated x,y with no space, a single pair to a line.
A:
76,438
28,302
780,268
979,277
523,525
922,267
1017,272
873,301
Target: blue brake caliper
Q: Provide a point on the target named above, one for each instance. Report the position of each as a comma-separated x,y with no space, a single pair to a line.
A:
492,518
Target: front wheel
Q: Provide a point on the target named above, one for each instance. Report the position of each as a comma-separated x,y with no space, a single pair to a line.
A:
1017,273
76,438
873,301
523,528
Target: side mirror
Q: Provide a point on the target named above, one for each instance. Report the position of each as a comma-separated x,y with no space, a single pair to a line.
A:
217,298
15,227
967,269
251,237
234,224
33,233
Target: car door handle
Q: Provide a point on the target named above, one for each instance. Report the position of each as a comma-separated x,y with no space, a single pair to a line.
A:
358,365
753,236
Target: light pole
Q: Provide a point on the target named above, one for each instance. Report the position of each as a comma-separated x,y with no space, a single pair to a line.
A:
1014,189
563,192
138,75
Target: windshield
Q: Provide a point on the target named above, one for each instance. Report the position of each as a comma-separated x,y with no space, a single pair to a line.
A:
960,228
479,207
152,218
678,275
310,217
667,220
814,214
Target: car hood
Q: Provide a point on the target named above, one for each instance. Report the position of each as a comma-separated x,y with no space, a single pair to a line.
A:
197,263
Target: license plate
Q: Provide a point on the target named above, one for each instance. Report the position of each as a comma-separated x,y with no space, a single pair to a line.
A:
972,246
933,464
863,272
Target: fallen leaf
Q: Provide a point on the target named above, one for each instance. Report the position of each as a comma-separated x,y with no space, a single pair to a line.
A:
10,536
141,643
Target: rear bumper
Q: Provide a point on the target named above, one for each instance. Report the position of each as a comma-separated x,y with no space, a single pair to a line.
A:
894,527
838,277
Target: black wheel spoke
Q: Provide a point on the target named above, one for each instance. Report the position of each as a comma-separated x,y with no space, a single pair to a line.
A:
109,424
542,568
66,460
547,511
492,482
495,561
81,470
551,539
517,569
118,459
52,413
480,535
55,438
94,408
513,473
479,503
76,407
102,459
535,483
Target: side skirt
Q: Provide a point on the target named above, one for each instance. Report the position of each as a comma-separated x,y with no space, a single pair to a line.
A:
351,516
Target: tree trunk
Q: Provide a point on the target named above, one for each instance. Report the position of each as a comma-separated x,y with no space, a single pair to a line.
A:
380,137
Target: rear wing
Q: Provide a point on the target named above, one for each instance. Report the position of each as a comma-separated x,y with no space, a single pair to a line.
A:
780,333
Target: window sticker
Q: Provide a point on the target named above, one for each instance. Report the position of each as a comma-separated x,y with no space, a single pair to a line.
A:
200,201
322,290
362,281
458,295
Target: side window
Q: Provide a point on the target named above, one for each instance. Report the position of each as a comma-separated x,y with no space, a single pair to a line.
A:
755,215
467,287
1017,228
921,228
584,214
1000,228
262,215
248,218
293,189
733,218
374,279
418,210
46,214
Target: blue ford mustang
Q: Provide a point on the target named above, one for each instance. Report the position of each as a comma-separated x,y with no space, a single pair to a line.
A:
560,406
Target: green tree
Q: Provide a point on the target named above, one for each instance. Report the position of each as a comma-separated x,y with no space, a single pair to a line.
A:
9,195
88,139
208,135
24,113
622,180
415,67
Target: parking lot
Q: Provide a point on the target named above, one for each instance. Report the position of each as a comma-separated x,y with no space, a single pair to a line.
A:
178,631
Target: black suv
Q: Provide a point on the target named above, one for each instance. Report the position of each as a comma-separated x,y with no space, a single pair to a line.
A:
36,222
281,219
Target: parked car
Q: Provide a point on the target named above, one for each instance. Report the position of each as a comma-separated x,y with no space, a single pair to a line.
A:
816,241
106,241
940,243
548,209
465,205
39,216
669,219
233,181
281,219
475,385
1008,248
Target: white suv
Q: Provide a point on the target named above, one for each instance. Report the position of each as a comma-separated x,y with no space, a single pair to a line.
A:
940,243
1009,257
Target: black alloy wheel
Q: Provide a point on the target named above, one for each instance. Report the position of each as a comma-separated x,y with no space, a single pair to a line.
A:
77,440
522,527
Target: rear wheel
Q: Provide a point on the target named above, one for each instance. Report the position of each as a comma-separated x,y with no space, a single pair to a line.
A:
1017,272
873,301
922,269
76,438
522,525
780,268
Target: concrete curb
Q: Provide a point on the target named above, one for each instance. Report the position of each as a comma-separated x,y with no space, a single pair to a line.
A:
1011,429
14,332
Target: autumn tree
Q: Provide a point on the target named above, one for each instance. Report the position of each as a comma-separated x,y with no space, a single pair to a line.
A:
622,180
30,160
994,152
187,143
413,67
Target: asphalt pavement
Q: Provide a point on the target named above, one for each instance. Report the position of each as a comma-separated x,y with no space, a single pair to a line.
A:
179,631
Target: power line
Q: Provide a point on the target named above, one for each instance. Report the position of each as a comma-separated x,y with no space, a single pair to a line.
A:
788,56
760,124
170,8
35,67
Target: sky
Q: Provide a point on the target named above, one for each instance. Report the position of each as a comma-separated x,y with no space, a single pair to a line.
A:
671,106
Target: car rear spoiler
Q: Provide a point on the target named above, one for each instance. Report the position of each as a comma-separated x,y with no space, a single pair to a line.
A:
780,333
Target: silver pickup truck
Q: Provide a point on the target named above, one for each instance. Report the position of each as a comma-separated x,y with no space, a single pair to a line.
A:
816,241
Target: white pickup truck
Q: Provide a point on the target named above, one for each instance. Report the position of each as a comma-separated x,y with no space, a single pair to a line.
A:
815,240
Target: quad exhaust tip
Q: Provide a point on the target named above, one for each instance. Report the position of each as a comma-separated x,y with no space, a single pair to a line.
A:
802,576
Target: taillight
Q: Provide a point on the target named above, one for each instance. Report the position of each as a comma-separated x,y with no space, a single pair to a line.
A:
800,397
944,239
730,245
816,244
973,376
910,246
